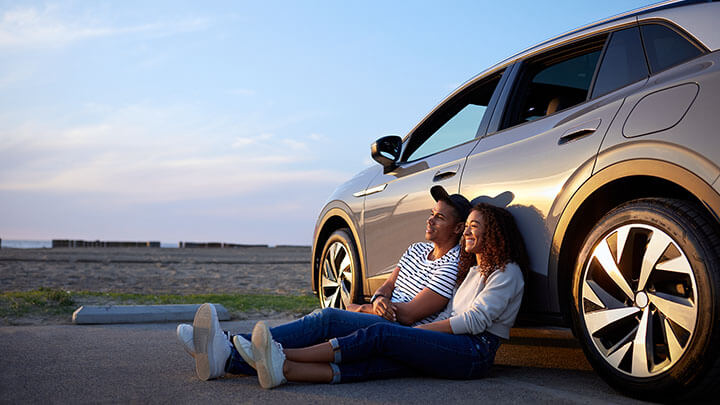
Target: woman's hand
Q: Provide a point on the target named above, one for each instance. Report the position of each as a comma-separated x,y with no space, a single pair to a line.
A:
383,307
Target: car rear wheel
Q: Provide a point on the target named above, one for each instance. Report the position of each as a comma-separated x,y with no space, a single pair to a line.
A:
646,301
339,278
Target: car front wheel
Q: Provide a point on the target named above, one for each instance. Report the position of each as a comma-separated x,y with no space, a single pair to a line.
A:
339,278
646,304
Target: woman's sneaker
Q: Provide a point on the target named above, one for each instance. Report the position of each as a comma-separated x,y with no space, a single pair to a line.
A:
212,347
269,357
184,334
244,347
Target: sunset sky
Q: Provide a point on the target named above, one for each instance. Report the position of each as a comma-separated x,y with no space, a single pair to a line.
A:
227,121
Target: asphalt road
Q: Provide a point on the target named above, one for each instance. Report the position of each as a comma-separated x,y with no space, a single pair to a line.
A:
143,363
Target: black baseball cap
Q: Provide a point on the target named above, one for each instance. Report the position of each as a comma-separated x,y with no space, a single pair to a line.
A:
461,204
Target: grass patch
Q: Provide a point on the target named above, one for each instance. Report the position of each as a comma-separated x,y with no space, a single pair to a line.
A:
43,301
54,302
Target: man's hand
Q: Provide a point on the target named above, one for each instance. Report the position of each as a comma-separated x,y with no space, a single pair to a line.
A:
383,307
367,308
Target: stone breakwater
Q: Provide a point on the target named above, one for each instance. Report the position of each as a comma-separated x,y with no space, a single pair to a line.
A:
147,270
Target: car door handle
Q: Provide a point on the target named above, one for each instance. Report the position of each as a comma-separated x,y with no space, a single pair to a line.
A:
446,173
580,131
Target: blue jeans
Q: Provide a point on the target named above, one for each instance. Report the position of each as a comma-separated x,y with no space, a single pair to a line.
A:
309,330
386,350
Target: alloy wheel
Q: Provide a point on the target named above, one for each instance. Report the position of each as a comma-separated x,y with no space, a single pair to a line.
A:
639,300
336,276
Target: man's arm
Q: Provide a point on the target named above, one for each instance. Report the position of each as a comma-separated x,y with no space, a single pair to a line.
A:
426,303
388,286
382,305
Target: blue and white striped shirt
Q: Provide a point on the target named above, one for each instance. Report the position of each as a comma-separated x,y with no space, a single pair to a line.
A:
417,272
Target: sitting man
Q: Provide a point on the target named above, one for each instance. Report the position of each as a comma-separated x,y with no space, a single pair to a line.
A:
419,287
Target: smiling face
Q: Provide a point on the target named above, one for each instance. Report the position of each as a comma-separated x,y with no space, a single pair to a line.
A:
442,227
474,229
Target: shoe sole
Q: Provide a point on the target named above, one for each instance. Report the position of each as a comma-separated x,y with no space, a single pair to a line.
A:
203,332
245,355
261,341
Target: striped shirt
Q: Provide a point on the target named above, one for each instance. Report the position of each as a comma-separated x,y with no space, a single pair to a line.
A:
417,272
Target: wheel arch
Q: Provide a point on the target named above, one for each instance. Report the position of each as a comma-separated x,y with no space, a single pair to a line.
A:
605,190
332,218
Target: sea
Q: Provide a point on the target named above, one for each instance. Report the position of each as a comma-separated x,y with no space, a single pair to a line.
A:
40,244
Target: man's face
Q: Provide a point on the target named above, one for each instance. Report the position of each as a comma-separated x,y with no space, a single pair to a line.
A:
442,225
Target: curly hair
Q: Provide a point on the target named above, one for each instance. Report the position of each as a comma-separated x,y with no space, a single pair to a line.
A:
501,243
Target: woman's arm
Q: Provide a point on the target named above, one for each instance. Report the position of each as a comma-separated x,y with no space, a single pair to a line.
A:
437,326
490,302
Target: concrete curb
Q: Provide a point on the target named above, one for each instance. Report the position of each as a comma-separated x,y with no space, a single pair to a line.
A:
106,314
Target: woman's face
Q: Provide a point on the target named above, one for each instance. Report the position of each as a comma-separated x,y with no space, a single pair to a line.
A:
474,228
442,226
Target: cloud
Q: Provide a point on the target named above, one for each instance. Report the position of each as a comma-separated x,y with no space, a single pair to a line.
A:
24,27
146,154
267,142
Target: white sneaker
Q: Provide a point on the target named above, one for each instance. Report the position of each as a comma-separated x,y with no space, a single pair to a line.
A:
212,347
184,334
269,357
244,347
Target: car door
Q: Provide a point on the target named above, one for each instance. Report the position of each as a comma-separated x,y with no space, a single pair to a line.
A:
433,154
561,104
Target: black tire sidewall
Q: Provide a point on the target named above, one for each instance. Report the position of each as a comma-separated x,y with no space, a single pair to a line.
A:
693,364
343,236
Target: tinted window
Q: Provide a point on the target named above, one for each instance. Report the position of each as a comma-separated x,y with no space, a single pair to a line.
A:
555,81
623,62
454,123
665,47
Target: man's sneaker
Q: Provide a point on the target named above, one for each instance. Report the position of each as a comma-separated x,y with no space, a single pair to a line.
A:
185,336
212,347
269,357
244,347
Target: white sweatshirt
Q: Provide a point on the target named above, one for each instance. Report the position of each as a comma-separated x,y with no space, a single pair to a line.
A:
481,304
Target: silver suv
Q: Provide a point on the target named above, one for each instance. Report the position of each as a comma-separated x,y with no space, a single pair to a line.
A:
604,144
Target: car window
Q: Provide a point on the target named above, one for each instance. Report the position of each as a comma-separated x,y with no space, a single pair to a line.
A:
665,47
454,123
623,62
554,81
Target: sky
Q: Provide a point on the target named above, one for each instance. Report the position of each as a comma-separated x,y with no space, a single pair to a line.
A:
227,121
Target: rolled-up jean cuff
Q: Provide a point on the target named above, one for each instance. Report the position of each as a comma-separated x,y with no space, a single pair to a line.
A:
336,350
336,373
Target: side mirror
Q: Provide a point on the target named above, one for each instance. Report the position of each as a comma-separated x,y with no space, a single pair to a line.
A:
386,151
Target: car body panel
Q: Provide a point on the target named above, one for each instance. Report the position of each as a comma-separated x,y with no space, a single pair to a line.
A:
692,142
697,19
405,204
497,172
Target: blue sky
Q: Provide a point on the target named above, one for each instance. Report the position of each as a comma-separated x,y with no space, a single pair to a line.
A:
226,121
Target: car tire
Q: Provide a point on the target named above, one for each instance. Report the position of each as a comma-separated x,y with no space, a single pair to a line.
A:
646,300
339,273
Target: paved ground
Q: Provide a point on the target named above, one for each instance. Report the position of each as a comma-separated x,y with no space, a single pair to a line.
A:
143,363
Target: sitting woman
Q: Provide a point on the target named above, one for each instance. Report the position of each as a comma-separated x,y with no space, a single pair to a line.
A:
461,342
